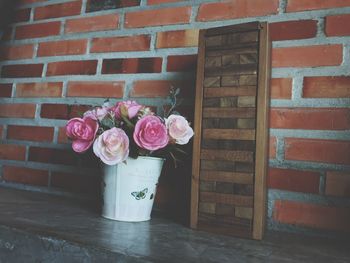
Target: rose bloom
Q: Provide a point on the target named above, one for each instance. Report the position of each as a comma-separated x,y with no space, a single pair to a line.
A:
179,129
112,146
132,107
98,113
82,132
150,133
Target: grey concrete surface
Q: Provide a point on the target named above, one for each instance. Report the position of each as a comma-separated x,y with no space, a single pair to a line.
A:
36,227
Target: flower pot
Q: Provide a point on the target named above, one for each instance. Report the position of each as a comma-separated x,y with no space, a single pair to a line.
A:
129,189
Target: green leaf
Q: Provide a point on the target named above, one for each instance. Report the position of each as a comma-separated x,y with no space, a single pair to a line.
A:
108,122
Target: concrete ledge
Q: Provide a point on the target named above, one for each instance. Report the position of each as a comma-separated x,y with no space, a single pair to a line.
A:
36,227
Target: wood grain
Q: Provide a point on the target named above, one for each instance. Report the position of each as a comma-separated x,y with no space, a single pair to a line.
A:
230,91
197,131
229,113
238,200
260,194
229,177
229,134
224,155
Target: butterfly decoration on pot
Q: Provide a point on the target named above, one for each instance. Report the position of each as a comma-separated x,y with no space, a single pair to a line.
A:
140,195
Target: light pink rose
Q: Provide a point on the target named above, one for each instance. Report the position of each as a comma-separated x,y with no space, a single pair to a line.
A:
82,132
179,129
112,146
132,107
150,133
98,113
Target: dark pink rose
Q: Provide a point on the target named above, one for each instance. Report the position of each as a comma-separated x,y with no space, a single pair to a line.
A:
150,133
82,132
131,106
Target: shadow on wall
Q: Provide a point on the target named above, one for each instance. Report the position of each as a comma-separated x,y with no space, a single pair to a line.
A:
6,13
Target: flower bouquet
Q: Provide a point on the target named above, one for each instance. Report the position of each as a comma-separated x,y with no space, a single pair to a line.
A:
127,137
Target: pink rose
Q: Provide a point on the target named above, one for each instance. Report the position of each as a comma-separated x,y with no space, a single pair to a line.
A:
131,106
150,133
112,146
179,129
82,132
98,113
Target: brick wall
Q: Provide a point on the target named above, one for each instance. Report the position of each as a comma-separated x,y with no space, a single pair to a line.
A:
60,56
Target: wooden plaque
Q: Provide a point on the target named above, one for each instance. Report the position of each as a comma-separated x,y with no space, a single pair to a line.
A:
231,130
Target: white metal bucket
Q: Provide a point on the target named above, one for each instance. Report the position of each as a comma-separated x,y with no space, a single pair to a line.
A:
128,190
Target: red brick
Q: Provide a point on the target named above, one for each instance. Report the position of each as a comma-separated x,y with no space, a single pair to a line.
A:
121,44
293,30
12,152
326,87
310,118
83,67
338,183
303,5
39,90
22,15
179,38
158,2
161,88
158,17
335,25
293,180
74,182
5,90
55,156
57,10
236,9
312,215
94,23
281,88
182,63
62,111
19,110
309,56
272,147
132,65
16,52
30,133
24,175
62,137
317,150
96,89
22,71
60,48
38,30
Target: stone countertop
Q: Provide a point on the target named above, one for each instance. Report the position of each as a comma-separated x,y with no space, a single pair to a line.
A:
36,227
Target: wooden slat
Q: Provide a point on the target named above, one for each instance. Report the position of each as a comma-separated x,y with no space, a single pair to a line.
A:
229,113
228,177
238,46
228,199
223,155
197,131
233,29
232,76
230,91
231,70
262,134
229,134
246,49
